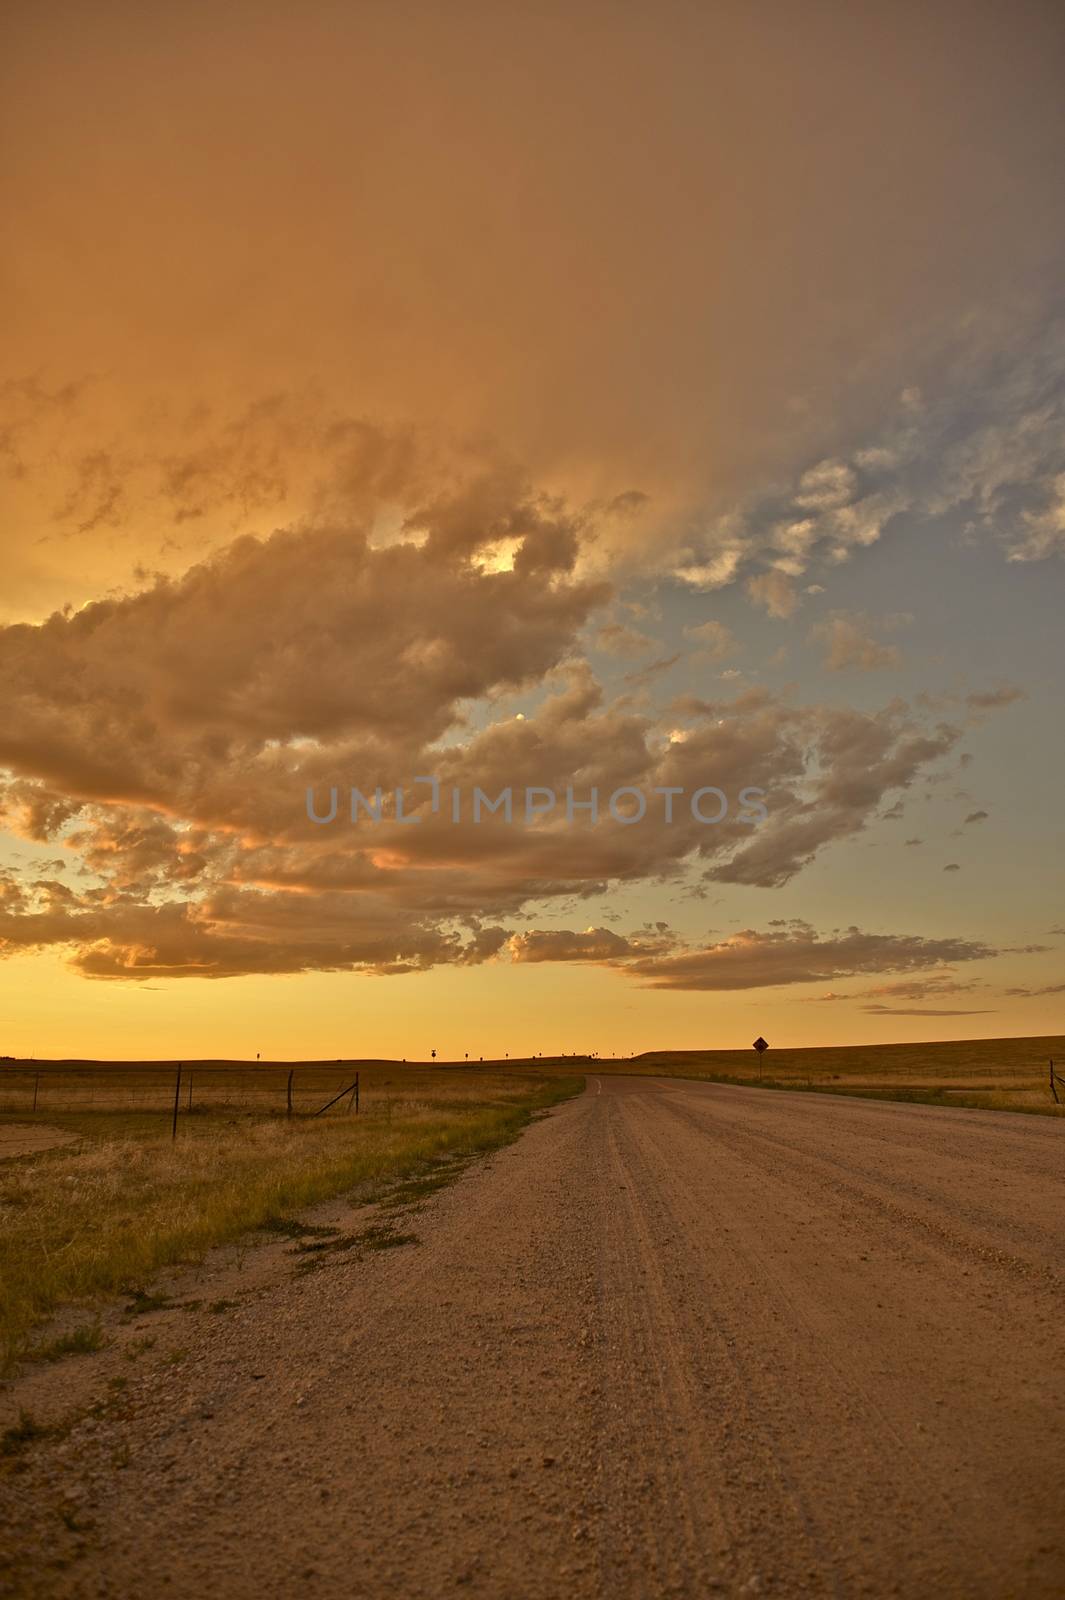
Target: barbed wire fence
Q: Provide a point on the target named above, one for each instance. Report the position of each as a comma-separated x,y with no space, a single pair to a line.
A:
178,1090
1056,1080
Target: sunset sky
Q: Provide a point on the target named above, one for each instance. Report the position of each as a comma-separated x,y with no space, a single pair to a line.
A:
594,394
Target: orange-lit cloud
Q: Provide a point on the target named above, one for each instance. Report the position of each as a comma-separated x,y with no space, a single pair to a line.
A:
168,740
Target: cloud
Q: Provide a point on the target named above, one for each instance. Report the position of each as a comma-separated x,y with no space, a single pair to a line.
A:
775,592
617,640
599,945
1043,524
861,759
925,1011
715,642
249,932
282,639
796,954
789,953
826,486
952,866
976,816
984,450
653,669
225,874
717,437
981,449
994,699
715,570
849,644
1031,994
885,996
834,508
166,740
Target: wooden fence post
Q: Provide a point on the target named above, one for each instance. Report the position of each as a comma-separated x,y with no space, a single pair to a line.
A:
288,1094
1053,1087
348,1089
177,1102
353,1103
36,1086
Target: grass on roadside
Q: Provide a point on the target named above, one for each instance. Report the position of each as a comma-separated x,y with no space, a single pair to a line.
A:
83,1340
80,1223
984,1074
24,1432
1026,1101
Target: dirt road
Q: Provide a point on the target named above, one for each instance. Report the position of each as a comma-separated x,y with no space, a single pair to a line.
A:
28,1138
681,1340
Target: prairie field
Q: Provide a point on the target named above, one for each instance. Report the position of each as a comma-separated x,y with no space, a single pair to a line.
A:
989,1074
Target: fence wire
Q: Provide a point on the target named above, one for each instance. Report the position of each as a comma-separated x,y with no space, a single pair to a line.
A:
262,1090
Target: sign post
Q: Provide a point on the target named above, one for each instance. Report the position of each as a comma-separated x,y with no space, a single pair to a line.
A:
761,1045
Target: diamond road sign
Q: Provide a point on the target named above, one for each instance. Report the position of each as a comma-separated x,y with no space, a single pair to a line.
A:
761,1044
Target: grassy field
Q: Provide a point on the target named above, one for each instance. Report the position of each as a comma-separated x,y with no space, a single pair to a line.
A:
151,1087
104,1214
991,1074
1000,1074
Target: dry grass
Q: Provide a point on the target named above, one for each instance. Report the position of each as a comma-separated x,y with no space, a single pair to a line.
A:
50,1089
989,1074
107,1214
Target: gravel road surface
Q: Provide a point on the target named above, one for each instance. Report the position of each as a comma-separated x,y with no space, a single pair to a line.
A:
680,1340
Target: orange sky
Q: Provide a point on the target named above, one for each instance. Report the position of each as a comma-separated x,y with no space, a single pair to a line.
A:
599,396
